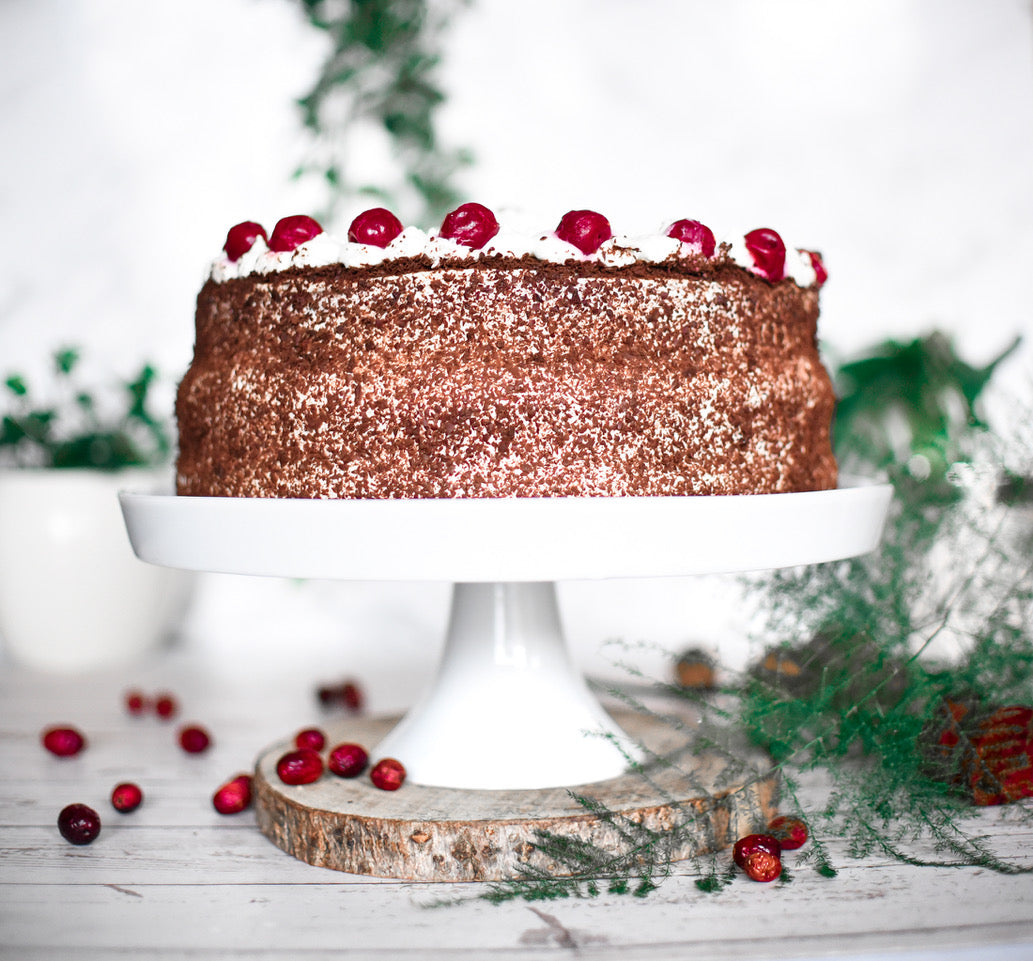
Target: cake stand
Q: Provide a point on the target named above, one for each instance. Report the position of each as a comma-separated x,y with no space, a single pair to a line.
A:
508,725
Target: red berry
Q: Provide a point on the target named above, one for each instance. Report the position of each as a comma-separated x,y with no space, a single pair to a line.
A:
696,235
768,253
377,227
751,844
820,273
136,702
790,832
165,705
78,823
347,693
291,232
194,739
585,229
352,696
241,238
471,225
348,760
234,796
312,738
763,866
63,741
126,797
387,774
302,766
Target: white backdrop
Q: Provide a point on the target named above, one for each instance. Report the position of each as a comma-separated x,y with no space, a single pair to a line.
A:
894,135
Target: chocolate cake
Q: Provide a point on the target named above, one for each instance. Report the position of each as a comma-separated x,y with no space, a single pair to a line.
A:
476,363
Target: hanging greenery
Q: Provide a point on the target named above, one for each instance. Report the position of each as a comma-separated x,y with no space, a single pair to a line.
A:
381,75
902,680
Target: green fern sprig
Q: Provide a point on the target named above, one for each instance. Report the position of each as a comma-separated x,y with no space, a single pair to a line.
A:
381,74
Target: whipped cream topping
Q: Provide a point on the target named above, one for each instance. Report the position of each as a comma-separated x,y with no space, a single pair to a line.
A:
619,251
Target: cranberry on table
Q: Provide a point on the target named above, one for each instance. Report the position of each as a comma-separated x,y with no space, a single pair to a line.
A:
291,232
241,238
63,741
165,705
387,774
585,229
303,766
126,797
136,702
347,760
768,253
471,225
352,696
234,796
376,227
694,234
310,737
790,832
763,866
348,693
751,843
194,739
759,855
78,824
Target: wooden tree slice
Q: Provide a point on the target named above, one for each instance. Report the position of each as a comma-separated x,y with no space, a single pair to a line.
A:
694,802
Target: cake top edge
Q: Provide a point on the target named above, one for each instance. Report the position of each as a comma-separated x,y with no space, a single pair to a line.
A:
471,233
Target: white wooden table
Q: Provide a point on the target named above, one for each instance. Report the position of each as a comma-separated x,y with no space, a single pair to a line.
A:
177,880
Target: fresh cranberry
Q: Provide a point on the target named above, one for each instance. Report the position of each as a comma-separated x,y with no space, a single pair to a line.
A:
352,696
63,741
126,797
768,253
348,693
696,235
165,706
312,738
585,229
241,238
820,273
387,774
136,702
302,766
763,866
291,232
78,823
376,227
347,760
234,796
751,844
194,739
790,832
471,225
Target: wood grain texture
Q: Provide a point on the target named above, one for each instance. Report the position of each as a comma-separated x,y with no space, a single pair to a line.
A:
440,834
175,880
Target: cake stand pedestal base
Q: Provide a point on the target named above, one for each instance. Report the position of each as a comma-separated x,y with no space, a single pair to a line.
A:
425,833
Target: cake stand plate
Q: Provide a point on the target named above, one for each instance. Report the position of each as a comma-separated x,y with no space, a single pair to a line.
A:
507,711
508,539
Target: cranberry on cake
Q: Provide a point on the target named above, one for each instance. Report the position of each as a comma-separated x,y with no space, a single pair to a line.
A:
476,362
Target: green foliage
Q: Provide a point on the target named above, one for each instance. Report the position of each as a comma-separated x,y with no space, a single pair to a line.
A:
71,431
381,72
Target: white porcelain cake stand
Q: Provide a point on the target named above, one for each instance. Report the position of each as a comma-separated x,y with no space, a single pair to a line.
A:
507,709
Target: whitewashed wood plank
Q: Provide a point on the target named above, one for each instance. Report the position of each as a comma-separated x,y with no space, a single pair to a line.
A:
749,920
